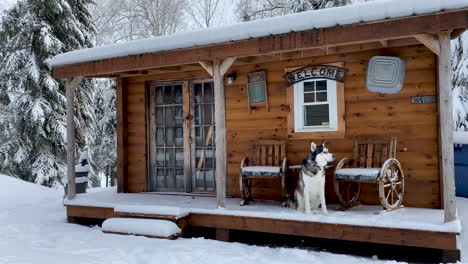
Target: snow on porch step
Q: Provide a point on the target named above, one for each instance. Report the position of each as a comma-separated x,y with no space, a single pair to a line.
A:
153,228
149,211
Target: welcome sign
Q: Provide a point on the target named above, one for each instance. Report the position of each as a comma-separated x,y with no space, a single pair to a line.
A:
316,72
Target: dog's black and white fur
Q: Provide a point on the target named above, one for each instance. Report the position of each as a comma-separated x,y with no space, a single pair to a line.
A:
310,190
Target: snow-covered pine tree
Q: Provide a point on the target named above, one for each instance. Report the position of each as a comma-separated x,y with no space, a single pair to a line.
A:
460,82
105,144
33,132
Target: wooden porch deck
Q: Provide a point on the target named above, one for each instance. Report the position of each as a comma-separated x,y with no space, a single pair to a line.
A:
414,227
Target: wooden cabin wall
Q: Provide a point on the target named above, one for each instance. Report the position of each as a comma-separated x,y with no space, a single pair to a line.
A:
367,114
136,136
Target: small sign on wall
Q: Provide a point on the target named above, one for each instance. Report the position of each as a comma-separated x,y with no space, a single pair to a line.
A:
329,72
432,99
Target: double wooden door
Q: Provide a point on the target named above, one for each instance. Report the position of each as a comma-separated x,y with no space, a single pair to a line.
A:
182,137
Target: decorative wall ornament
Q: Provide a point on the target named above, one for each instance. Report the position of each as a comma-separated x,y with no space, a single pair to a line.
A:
385,74
257,89
329,72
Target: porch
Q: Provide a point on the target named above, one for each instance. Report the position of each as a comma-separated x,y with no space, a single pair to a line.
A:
414,227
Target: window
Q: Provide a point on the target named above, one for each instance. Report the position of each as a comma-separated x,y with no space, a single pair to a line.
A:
315,106
257,87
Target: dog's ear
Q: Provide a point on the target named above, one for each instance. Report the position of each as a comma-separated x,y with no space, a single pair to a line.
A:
323,143
313,146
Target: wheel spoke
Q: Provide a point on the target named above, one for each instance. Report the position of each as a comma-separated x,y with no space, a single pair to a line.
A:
388,195
397,194
391,191
387,185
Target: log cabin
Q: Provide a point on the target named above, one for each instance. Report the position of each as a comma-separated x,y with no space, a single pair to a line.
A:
189,106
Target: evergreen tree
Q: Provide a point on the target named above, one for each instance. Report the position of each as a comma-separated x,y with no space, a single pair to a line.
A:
460,82
33,130
105,144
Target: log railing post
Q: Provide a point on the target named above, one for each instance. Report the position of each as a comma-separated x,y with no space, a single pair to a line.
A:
446,127
71,85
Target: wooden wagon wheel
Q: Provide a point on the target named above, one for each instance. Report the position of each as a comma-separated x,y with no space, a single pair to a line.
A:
347,191
391,184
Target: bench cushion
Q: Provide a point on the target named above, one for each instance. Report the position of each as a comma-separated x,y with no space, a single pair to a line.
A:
261,171
358,174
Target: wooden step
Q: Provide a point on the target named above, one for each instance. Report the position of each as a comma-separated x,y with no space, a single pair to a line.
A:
153,228
154,212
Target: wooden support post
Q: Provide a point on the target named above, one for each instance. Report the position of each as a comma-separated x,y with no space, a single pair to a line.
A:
121,98
220,134
70,87
222,234
430,42
217,69
446,127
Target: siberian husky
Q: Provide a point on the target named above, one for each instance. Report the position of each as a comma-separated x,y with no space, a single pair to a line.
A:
310,191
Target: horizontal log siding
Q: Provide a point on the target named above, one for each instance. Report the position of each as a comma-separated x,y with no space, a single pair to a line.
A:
367,114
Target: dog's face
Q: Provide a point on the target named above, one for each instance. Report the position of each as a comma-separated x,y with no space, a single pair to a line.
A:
321,154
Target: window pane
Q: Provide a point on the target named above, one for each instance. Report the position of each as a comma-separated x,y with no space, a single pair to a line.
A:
309,86
169,116
309,98
316,115
179,119
321,96
208,92
179,157
169,136
179,136
178,94
160,157
256,92
321,85
198,92
159,136
159,94
159,116
168,95
208,114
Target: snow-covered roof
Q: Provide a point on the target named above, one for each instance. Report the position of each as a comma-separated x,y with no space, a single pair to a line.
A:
316,19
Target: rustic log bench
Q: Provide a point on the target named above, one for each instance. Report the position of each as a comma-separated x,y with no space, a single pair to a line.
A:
374,161
267,161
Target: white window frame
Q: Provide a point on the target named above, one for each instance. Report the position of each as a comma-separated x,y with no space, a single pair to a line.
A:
299,104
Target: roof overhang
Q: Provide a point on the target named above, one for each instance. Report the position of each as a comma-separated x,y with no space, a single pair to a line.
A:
381,31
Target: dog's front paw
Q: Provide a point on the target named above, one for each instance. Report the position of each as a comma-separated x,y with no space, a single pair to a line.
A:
325,213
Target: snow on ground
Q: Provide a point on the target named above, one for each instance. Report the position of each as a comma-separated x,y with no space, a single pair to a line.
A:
33,229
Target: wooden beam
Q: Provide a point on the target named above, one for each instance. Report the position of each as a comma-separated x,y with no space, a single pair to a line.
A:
121,102
341,35
208,66
226,64
457,32
430,42
446,127
71,85
369,234
384,43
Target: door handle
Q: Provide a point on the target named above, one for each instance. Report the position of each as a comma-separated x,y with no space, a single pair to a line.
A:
189,117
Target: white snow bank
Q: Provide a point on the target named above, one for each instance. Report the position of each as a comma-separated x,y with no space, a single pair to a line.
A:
460,137
138,226
16,192
323,18
152,209
462,209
